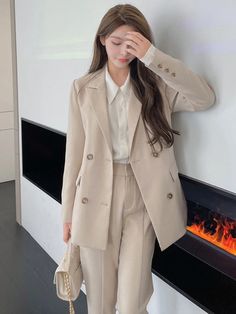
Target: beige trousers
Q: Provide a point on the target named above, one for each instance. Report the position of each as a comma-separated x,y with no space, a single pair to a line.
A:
120,277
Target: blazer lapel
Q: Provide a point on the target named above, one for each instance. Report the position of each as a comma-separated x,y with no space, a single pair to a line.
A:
134,110
97,90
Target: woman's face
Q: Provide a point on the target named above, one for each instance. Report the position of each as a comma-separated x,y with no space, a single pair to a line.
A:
115,45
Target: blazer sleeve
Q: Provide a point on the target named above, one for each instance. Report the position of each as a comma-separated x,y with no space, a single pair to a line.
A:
184,89
75,139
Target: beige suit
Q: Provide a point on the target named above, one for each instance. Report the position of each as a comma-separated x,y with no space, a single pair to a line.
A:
88,173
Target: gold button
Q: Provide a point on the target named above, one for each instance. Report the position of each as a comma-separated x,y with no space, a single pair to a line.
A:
173,74
84,200
160,66
155,154
167,70
169,195
90,156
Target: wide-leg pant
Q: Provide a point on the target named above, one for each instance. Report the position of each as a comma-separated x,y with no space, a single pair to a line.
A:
120,277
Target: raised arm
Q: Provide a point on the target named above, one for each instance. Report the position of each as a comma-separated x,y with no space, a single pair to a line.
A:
185,90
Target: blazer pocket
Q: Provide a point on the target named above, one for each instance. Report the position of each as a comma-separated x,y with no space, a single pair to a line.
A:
78,180
174,173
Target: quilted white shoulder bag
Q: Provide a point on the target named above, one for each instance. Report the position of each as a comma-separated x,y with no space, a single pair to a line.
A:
68,276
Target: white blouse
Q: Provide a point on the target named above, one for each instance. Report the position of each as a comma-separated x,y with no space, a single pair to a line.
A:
118,102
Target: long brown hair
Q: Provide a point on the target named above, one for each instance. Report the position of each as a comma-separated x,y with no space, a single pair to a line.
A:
143,80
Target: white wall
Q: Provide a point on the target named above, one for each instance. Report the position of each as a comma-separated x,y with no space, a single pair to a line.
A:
54,46
7,149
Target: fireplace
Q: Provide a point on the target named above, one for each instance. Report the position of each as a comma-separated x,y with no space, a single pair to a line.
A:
211,215
213,227
204,267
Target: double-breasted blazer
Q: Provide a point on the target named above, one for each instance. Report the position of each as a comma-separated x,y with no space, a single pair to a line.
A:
88,171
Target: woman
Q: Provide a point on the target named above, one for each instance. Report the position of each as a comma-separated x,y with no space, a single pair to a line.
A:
121,188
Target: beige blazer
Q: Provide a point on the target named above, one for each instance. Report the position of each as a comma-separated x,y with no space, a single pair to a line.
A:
88,172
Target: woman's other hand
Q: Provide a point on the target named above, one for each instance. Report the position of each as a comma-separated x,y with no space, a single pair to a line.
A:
66,231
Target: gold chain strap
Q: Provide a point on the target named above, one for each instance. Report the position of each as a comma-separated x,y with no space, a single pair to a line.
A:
67,285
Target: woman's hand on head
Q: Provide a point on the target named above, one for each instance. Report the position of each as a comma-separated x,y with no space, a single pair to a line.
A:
66,231
137,44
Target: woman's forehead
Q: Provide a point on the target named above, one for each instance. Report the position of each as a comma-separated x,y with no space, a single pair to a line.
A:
121,31
117,37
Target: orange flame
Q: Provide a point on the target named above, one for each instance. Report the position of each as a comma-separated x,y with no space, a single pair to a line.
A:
222,236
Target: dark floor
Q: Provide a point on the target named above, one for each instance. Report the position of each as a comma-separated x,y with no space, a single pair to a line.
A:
26,270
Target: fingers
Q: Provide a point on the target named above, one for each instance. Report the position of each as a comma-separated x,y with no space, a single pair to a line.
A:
66,232
131,45
135,37
66,237
137,44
